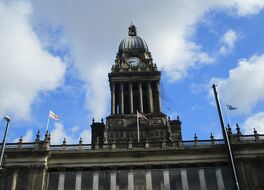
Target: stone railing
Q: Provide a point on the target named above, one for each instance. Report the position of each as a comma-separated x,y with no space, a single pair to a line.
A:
186,144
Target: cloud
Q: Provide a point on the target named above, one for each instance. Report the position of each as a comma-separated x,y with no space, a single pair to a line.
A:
244,87
228,41
75,128
245,7
28,137
168,33
60,132
26,68
255,121
86,136
97,89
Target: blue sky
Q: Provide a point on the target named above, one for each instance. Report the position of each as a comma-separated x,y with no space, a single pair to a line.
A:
56,55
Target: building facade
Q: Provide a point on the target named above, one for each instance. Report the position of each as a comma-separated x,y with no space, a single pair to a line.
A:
122,156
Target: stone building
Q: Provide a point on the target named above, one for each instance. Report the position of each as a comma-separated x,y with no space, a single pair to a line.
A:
119,159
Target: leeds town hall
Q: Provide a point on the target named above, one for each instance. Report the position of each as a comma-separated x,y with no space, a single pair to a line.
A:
123,156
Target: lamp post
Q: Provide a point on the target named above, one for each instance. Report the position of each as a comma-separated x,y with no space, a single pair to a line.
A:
226,139
4,141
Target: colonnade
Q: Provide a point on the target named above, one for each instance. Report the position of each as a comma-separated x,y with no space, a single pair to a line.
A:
148,180
150,87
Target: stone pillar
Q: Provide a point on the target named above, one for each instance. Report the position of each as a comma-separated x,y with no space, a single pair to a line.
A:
113,97
121,99
96,180
32,175
14,180
140,95
166,178
148,180
130,180
41,178
150,98
202,179
113,180
61,181
78,181
184,179
158,97
219,179
131,98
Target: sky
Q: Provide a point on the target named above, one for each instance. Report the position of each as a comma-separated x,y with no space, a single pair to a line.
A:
55,55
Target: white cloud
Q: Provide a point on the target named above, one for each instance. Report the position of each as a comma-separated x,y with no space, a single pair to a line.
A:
59,132
97,90
255,121
248,7
244,87
26,68
28,137
228,41
167,31
75,128
86,136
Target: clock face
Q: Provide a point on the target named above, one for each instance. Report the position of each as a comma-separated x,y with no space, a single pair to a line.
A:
133,61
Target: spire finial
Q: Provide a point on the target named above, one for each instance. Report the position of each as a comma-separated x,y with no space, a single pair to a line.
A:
132,30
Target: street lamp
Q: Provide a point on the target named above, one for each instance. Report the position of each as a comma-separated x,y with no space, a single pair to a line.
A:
4,140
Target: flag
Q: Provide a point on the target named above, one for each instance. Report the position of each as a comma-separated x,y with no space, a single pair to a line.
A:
141,115
53,115
229,107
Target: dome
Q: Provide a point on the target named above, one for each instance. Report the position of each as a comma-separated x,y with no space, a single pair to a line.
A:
133,42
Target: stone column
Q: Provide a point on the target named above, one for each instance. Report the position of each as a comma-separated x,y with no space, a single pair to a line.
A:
113,97
14,180
121,99
184,179
78,181
219,179
202,179
148,180
150,97
140,95
41,178
61,181
130,180
113,180
158,97
131,98
96,180
166,178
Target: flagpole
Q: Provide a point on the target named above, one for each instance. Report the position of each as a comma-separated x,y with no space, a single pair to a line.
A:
47,123
226,140
137,126
229,121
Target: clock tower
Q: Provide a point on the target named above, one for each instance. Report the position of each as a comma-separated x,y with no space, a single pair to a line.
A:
135,86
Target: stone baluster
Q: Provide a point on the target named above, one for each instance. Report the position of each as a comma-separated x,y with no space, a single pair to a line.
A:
256,134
